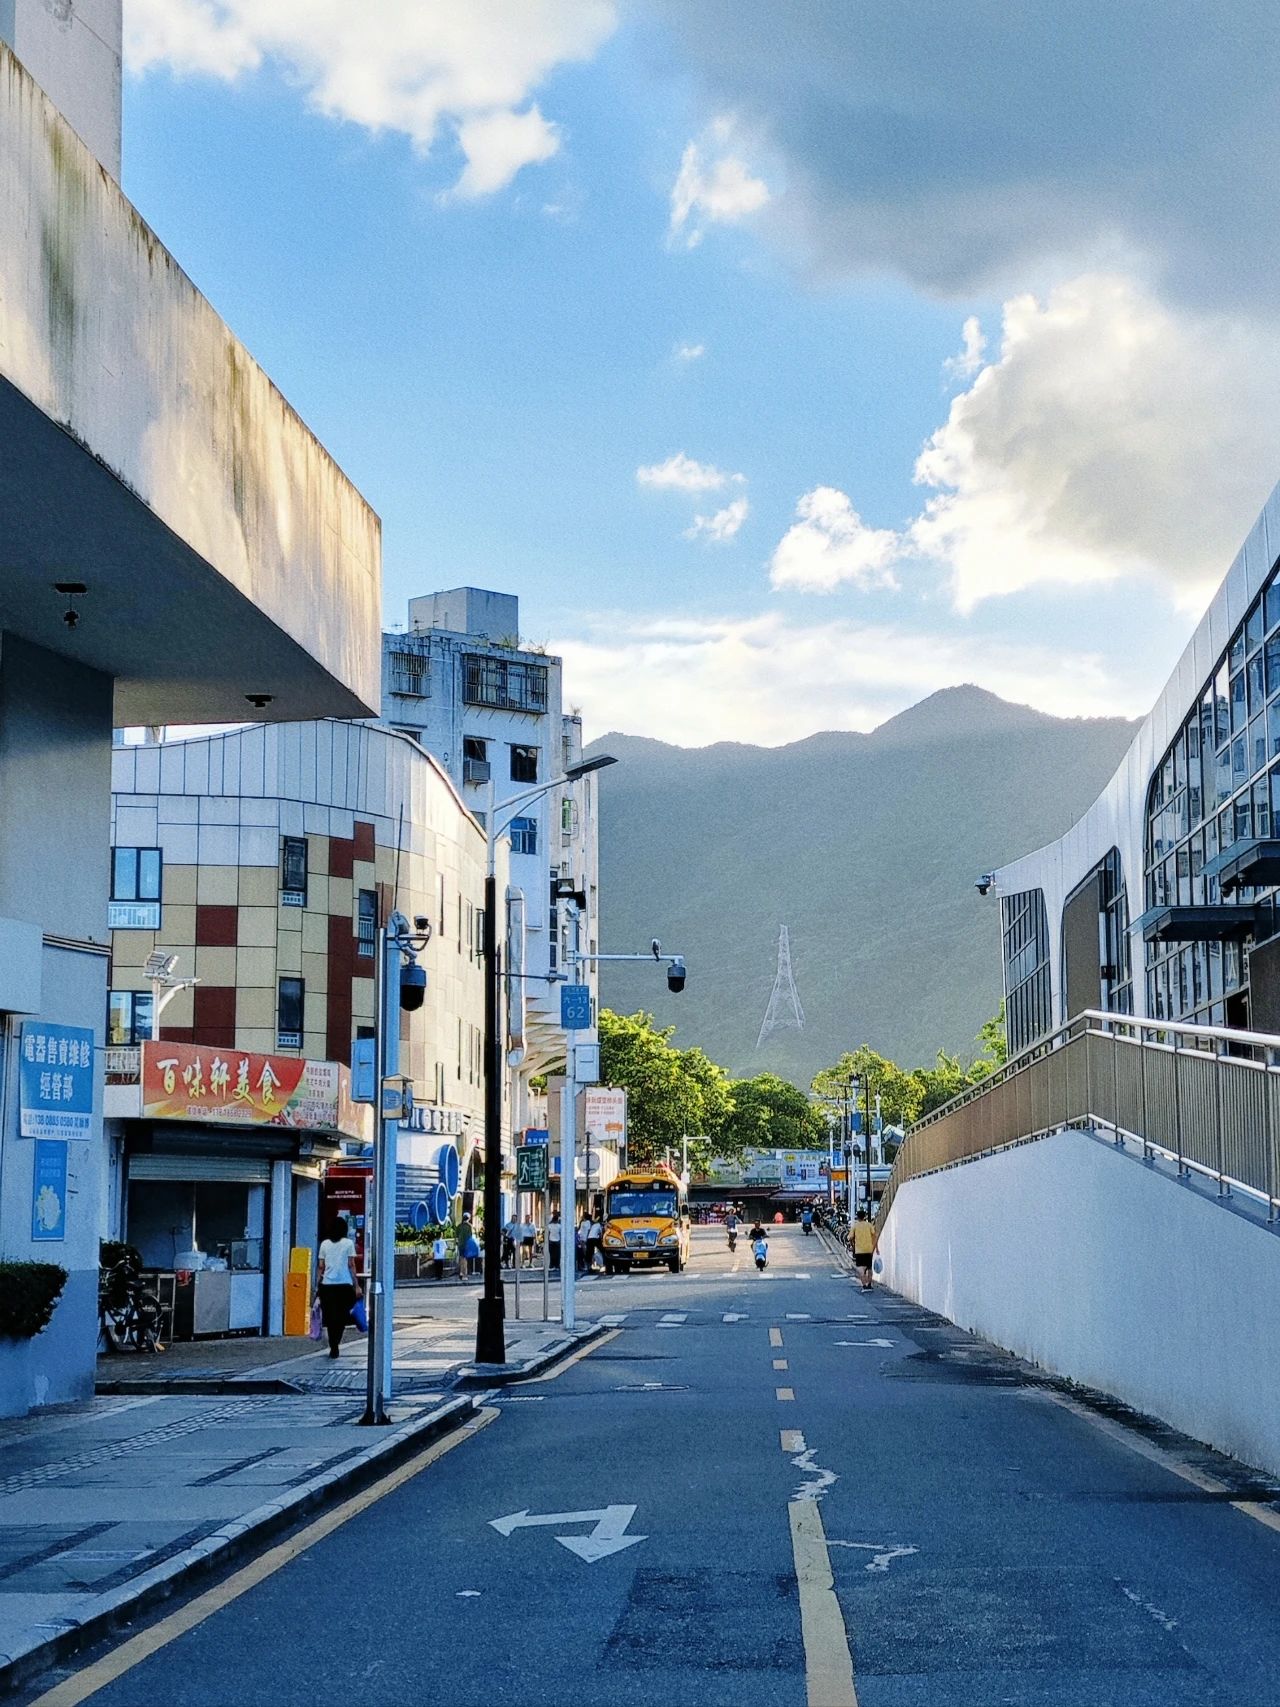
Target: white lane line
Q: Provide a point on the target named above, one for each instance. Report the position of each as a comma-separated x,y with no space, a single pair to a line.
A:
675,1316
802,1277
793,1317
731,1316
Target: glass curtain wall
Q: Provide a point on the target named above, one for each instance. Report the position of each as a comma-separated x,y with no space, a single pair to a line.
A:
1218,785
1028,994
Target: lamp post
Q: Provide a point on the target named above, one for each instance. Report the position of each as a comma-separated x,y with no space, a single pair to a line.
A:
491,1310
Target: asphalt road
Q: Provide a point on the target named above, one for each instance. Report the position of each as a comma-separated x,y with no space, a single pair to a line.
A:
987,1543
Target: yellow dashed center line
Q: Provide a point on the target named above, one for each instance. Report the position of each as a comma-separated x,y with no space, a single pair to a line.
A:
792,1440
775,1336
785,1393
779,1363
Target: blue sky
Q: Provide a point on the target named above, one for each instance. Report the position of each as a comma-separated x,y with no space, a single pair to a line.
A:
502,275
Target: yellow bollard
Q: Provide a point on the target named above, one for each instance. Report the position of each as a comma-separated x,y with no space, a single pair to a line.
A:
297,1293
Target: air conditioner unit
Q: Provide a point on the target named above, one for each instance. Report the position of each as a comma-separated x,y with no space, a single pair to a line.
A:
475,770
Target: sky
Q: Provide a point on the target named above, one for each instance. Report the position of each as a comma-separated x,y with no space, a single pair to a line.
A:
789,363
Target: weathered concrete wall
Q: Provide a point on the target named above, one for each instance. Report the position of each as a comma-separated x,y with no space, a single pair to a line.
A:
102,331
1109,1272
73,49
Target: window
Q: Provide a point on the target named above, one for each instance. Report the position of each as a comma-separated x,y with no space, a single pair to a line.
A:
524,764
475,759
135,874
289,1013
366,923
524,835
293,871
505,684
128,1017
407,674
135,889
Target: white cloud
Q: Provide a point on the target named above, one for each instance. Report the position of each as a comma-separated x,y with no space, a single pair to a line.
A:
1109,437
767,680
829,545
680,473
721,527
714,186
498,144
401,65
690,352
972,349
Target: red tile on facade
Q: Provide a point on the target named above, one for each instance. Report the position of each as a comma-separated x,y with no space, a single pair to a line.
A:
341,856
362,840
216,927
342,959
214,1015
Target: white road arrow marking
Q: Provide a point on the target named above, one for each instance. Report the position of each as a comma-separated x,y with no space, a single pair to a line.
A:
887,1344
608,1536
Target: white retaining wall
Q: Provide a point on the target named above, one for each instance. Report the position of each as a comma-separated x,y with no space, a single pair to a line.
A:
1096,1267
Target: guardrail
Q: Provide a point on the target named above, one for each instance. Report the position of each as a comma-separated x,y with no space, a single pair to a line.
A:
1205,1097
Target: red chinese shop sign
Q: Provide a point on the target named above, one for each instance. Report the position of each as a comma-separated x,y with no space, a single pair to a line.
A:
232,1087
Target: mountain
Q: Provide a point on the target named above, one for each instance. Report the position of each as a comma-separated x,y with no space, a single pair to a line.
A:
865,846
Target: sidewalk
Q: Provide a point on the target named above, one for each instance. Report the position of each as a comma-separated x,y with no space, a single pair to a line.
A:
192,1458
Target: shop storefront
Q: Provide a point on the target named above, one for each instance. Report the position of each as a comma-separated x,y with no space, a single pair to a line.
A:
220,1155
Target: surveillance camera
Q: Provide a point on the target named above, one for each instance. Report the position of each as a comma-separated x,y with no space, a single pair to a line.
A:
984,883
676,975
413,987
422,924
656,946
71,616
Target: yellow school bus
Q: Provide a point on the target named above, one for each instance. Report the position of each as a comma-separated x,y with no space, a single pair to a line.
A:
646,1221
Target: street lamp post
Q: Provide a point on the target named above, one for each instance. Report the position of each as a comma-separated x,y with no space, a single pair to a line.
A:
491,1311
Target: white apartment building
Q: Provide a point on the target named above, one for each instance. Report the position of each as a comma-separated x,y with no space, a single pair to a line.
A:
459,682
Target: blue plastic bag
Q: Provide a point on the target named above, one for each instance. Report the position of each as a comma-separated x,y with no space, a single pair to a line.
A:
360,1316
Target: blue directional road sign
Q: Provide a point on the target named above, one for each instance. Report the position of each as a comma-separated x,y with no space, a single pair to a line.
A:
575,1007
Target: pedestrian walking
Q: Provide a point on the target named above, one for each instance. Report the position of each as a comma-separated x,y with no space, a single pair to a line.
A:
862,1239
336,1285
528,1242
595,1233
580,1243
509,1245
553,1240
470,1248
439,1252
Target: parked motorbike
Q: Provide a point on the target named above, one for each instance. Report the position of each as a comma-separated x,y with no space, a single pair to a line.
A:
128,1313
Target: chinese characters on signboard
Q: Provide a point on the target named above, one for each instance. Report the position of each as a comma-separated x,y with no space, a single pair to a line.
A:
189,1081
55,1080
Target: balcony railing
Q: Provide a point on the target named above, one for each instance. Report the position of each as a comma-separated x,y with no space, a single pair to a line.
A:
1206,1098
123,1063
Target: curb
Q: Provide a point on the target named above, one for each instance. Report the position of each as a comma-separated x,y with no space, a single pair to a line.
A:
46,1643
203,1386
487,1375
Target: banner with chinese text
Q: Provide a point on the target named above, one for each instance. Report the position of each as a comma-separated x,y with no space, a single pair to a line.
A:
189,1081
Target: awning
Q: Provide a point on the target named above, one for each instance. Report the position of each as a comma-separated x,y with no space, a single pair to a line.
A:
1196,924
1255,862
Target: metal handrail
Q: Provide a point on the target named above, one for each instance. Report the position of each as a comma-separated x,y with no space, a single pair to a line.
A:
1205,1097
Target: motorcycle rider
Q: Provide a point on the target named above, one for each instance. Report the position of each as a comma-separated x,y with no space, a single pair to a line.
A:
731,1228
806,1218
760,1248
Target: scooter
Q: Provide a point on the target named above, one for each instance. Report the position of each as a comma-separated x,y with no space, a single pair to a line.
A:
733,1239
761,1255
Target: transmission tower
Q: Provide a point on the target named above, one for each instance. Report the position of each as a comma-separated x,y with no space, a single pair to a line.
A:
784,1003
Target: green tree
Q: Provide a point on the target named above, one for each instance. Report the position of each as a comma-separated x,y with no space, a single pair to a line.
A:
994,1038
671,1093
899,1091
938,1084
772,1113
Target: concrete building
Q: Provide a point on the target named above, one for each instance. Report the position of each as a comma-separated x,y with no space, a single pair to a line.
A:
459,682
1162,900
178,547
271,854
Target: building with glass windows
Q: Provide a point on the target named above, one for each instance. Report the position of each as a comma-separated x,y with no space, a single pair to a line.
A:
1161,900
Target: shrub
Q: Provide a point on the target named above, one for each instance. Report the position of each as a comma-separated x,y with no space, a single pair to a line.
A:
28,1293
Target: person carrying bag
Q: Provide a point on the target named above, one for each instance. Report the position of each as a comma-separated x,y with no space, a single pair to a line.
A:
337,1290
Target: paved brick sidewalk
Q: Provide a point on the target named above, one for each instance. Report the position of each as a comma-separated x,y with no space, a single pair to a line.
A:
105,1504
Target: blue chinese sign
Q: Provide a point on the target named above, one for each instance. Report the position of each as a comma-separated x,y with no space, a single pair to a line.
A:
49,1190
575,1007
55,1083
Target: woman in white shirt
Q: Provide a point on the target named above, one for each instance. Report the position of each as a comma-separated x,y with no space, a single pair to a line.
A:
337,1287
